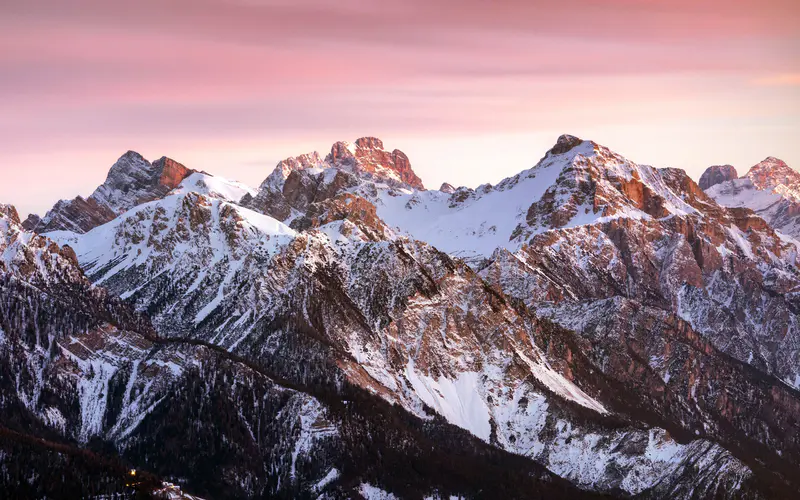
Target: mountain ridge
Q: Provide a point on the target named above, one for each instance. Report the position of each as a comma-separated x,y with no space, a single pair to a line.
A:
608,321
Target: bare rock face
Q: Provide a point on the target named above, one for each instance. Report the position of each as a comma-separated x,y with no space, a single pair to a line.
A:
79,215
172,172
564,144
367,156
717,174
132,180
447,188
31,222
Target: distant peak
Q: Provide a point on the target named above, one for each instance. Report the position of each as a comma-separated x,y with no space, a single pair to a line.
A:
770,163
133,169
447,188
717,174
285,167
772,172
565,143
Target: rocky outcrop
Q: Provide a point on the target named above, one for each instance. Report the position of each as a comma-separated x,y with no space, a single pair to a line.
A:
172,173
564,144
132,180
717,174
349,208
367,156
79,215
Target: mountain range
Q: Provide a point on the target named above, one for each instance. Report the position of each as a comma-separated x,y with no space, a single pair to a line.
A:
589,327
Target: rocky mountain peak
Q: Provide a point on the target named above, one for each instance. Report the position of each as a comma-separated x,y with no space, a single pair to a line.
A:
129,165
368,156
9,212
285,167
447,188
565,143
130,181
772,172
31,222
717,174
133,172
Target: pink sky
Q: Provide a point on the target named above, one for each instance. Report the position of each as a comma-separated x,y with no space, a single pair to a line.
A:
472,91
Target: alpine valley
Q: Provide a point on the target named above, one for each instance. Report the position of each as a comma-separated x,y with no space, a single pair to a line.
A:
588,328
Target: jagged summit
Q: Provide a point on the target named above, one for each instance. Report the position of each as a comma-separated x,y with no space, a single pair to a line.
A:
366,158
565,143
132,180
575,183
717,174
132,173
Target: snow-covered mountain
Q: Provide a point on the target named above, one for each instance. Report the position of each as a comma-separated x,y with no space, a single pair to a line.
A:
576,183
771,189
83,375
596,326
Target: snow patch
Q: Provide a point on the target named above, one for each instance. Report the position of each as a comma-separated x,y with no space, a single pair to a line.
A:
458,400
370,492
